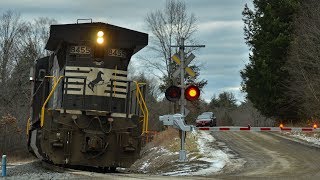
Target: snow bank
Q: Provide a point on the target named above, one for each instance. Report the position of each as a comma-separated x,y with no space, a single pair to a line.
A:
208,161
313,138
216,158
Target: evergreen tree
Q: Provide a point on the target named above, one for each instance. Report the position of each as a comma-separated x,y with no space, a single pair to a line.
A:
224,100
268,32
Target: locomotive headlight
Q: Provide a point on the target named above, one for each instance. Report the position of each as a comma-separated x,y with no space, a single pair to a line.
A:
100,34
100,38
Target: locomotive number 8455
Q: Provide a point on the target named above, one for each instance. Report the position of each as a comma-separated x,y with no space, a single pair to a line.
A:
84,110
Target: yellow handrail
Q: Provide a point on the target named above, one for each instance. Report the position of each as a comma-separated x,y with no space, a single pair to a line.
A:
28,127
48,98
146,109
143,108
140,104
115,77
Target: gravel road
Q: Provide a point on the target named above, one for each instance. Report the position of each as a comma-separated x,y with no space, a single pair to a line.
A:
270,156
267,156
36,171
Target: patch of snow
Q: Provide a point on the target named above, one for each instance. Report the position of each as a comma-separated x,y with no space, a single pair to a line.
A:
145,166
211,161
217,158
163,150
302,136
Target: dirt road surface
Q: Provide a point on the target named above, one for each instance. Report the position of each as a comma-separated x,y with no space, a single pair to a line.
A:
266,156
270,156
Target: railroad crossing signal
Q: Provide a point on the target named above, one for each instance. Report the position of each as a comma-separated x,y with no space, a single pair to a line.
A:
173,93
176,58
192,93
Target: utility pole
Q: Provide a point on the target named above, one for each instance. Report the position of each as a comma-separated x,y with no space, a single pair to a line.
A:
182,152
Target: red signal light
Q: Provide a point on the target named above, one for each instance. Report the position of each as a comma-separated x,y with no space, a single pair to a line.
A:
173,93
192,93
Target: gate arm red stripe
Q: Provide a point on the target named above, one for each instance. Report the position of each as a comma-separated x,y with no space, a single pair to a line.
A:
257,129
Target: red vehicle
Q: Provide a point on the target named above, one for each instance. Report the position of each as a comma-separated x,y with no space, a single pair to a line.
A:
206,119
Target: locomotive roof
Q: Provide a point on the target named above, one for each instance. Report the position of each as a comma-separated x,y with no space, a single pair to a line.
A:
116,36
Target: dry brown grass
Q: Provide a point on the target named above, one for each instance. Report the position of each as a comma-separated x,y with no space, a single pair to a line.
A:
170,140
162,137
19,157
159,160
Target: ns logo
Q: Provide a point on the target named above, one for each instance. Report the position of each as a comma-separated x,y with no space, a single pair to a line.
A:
94,82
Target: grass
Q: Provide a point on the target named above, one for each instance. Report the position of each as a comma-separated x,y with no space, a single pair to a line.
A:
19,157
170,140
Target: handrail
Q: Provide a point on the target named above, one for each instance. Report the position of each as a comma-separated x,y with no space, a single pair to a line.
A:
146,109
115,75
48,98
140,104
28,126
143,108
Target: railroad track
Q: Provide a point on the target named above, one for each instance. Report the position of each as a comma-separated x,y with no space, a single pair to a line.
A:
61,168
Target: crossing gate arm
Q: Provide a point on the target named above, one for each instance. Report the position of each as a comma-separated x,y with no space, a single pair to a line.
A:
177,121
258,129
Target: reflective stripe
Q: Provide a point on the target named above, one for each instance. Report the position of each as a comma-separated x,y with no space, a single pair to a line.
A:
123,115
78,68
73,92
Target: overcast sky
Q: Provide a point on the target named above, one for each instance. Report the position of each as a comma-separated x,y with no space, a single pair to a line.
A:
219,21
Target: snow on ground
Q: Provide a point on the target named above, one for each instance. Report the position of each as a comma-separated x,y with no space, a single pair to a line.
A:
215,157
210,159
205,156
313,138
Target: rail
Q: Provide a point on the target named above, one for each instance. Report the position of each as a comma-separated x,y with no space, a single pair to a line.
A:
55,85
143,108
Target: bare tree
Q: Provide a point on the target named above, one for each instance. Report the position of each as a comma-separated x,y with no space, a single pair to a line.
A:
9,132
37,35
11,29
21,43
167,27
304,60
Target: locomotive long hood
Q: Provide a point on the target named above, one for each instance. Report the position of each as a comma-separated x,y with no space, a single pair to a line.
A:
116,37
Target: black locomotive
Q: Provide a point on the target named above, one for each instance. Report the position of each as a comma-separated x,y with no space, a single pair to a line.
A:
84,110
